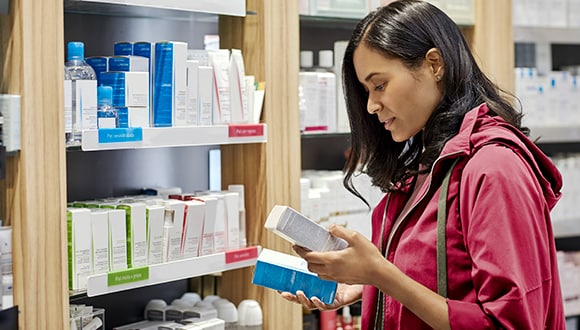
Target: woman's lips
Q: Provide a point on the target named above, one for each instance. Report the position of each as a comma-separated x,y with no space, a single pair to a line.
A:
387,123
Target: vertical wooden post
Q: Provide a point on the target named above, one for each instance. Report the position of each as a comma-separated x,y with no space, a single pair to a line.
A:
269,39
34,193
492,40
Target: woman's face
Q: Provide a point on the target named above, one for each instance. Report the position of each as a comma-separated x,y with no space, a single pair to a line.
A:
402,99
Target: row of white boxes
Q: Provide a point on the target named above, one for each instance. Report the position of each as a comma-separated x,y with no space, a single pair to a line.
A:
165,84
325,200
131,232
552,99
569,268
566,208
460,10
542,13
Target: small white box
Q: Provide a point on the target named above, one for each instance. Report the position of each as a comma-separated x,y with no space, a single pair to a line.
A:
220,61
220,227
10,109
117,239
208,237
199,55
192,115
300,230
130,89
138,116
129,63
205,89
232,201
194,214
100,239
147,49
169,88
79,247
155,218
177,210
238,95
136,219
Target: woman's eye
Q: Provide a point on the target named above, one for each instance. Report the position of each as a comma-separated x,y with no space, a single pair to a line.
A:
380,87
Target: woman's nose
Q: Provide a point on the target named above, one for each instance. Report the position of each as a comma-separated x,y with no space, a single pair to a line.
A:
373,107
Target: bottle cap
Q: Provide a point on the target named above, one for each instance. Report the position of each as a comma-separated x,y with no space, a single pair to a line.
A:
76,50
306,59
191,297
249,313
104,95
227,311
325,58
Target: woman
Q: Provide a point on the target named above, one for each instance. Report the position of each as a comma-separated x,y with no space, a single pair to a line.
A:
420,108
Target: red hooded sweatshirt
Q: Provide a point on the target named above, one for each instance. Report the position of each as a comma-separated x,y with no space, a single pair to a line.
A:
501,256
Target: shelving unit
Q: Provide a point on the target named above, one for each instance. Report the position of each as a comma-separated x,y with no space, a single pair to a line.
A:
140,7
137,138
546,35
566,228
556,134
171,271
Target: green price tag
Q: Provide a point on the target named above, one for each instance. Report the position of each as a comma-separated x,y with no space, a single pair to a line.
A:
128,276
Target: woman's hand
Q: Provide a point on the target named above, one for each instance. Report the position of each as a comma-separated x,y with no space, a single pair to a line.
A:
345,295
359,263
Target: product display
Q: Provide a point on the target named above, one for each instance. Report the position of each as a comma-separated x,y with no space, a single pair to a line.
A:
117,243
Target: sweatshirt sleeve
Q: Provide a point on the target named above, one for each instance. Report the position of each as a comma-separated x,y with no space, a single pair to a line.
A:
504,218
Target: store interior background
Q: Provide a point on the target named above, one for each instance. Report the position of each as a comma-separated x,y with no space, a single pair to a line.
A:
548,48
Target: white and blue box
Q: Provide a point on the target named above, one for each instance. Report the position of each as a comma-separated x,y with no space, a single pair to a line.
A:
169,87
130,89
287,273
129,63
99,63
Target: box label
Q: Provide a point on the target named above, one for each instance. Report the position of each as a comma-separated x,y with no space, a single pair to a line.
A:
241,255
245,130
128,276
112,135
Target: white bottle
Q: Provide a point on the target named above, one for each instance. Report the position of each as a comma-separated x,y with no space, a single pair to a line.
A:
239,188
308,94
80,94
107,115
327,90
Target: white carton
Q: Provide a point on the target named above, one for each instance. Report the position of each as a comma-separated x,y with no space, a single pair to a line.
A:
136,220
205,89
208,237
100,239
192,115
155,218
117,240
194,214
79,247
169,88
300,230
174,236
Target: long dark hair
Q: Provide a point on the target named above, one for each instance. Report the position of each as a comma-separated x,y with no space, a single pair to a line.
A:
406,30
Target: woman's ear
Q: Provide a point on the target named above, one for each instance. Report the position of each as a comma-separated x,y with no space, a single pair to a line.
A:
435,62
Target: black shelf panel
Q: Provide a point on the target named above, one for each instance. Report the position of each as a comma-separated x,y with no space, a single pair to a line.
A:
9,318
324,151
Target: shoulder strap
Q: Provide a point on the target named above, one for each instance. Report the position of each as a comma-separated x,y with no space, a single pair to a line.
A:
441,234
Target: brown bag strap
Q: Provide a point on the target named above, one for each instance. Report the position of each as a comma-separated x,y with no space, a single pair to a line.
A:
441,234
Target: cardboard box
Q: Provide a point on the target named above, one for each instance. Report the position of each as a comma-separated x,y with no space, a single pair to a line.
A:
287,273
300,230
